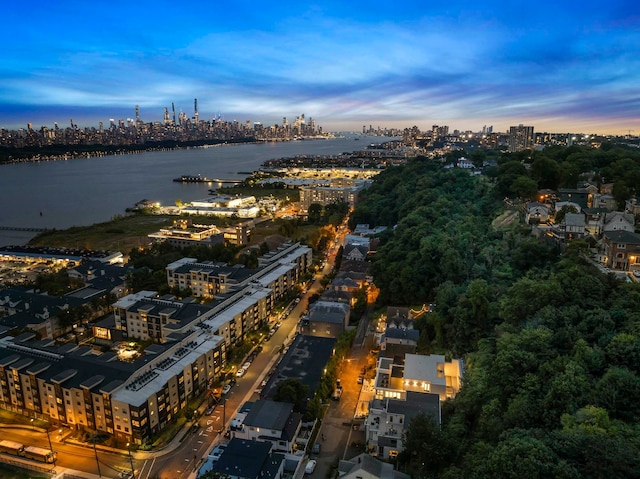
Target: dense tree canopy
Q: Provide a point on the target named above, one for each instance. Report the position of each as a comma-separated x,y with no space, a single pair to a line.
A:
550,343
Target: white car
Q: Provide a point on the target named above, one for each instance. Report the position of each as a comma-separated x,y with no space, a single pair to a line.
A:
226,389
240,372
310,467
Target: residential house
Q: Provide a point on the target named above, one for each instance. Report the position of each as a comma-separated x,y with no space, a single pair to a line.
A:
389,418
536,213
604,201
619,221
399,336
579,196
620,250
632,206
354,252
326,319
273,422
246,459
364,466
26,309
573,226
594,219
418,373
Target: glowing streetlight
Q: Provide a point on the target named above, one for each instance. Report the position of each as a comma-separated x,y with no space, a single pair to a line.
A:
133,472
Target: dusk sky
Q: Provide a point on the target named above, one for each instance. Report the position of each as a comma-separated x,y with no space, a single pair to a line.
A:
560,66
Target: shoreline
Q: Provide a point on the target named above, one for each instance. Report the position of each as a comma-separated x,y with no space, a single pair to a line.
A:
122,150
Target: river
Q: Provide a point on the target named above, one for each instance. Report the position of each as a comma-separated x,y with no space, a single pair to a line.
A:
80,192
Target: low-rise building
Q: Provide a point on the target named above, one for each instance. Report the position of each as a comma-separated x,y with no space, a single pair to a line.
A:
327,319
620,250
364,466
246,459
418,373
389,418
273,422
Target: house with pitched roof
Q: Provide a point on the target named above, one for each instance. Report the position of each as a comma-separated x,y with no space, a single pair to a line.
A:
620,250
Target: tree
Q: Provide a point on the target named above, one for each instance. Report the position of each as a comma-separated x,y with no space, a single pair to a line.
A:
314,215
524,187
426,449
562,212
293,391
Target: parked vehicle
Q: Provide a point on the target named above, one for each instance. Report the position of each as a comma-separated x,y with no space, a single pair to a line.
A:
28,452
226,389
337,394
310,467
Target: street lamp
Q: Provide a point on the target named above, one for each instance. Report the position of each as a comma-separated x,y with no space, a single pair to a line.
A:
32,426
133,472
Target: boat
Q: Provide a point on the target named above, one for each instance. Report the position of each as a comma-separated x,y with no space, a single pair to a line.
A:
193,179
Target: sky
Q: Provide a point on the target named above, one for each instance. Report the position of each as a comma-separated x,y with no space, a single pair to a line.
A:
562,66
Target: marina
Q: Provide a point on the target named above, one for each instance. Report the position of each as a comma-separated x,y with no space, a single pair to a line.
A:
85,191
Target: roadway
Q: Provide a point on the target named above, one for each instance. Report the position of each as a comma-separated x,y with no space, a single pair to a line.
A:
196,442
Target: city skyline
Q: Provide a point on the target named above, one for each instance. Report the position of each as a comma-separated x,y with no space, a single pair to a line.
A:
572,67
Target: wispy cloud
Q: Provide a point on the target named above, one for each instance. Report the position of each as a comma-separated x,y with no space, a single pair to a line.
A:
463,63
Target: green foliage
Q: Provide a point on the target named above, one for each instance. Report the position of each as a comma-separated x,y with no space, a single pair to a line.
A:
293,391
551,348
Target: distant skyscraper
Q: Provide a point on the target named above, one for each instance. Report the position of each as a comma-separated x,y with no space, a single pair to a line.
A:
195,108
520,138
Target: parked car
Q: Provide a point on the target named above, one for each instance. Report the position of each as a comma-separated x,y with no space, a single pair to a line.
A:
240,372
246,365
226,389
360,379
310,467
337,394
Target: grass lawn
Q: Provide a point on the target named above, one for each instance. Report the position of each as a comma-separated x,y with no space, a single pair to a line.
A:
9,417
120,234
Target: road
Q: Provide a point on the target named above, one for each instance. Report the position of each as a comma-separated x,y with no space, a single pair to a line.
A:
71,455
183,461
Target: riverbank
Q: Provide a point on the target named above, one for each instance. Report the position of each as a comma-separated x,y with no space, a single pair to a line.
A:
122,233
36,154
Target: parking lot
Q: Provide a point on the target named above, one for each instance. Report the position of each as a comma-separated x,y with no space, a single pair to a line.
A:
17,272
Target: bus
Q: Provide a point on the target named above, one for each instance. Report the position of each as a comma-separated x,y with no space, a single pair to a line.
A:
29,452
10,447
39,454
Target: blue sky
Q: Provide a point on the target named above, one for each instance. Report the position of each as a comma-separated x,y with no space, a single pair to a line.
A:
560,66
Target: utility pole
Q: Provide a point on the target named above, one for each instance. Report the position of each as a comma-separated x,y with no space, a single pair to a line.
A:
133,472
96,453
51,447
